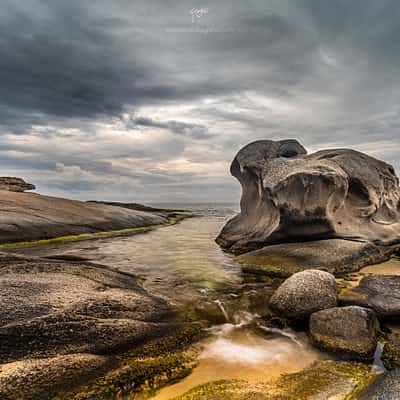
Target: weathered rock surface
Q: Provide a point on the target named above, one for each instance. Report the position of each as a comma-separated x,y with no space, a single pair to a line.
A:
352,330
35,379
30,216
384,387
56,308
14,184
379,292
337,256
321,381
304,293
289,196
51,307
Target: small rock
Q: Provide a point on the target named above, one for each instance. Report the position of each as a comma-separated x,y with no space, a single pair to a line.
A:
304,293
352,330
379,292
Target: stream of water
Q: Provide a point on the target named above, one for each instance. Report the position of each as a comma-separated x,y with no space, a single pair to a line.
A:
183,264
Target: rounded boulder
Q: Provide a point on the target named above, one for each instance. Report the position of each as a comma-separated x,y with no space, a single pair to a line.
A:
304,293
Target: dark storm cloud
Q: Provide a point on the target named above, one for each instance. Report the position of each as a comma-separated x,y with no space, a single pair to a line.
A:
195,131
85,86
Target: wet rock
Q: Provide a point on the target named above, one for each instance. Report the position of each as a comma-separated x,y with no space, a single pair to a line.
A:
384,387
289,196
304,293
322,380
52,308
30,216
352,330
379,292
13,184
336,256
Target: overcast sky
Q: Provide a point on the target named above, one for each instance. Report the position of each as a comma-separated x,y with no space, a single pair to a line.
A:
140,100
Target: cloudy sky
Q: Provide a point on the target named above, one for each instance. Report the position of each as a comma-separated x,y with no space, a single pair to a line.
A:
140,100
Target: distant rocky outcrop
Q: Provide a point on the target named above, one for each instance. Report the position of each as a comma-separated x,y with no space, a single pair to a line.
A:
289,196
30,216
15,184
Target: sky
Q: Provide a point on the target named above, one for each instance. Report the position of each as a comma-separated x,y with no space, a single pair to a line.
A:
149,101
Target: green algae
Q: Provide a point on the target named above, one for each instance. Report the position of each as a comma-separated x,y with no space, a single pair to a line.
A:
390,356
144,369
322,380
271,265
171,220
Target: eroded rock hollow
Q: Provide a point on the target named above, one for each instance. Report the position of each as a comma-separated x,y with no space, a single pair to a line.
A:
291,196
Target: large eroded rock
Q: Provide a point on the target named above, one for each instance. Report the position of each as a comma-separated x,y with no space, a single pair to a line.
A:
304,293
289,196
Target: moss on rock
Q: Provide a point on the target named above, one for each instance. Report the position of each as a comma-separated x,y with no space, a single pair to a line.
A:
322,380
144,369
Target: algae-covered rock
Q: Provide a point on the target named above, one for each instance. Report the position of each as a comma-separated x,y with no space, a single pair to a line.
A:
379,292
143,370
51,308
352,330
321,381
337,256
304,293
35,379
391,350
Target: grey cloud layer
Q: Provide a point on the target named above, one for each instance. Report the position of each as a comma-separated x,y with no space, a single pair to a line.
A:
134,94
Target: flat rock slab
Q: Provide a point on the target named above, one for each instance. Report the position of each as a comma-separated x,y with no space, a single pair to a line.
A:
30,216
336,256
378,292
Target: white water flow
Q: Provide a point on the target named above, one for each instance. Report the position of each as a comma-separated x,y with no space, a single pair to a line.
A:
377,365
222,308
283,332
236,351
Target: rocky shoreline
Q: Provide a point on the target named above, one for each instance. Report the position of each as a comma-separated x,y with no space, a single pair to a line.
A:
67,323
29,217
75,330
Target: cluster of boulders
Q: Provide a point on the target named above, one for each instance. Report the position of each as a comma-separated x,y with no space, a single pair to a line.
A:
312,295
13,184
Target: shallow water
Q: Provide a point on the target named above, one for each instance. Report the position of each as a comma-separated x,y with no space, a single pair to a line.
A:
237,352
183,264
